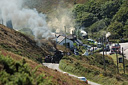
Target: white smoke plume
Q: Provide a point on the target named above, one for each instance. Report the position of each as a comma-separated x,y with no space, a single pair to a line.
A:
83,33
62,18
24,17
108,34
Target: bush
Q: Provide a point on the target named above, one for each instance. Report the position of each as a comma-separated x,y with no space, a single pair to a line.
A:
118,78
19,73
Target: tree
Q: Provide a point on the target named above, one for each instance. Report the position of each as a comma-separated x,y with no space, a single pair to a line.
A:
85,19
109,9
116,29
122,14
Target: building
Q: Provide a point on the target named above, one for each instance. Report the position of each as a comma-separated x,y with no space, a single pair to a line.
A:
78,42
70,40
61,41
55,35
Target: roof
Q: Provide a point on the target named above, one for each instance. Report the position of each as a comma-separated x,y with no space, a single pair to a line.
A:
81,77
55,35
78,41
115,46
60,39
90,40
70,37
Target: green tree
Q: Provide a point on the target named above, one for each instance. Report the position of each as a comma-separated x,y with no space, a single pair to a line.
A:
109,8
122,14
116,30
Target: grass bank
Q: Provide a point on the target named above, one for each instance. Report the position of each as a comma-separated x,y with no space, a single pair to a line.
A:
92,68
32,71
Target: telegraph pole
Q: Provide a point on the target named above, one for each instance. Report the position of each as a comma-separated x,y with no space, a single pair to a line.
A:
65,41
56,37
123,60
103,55
93,43
117,62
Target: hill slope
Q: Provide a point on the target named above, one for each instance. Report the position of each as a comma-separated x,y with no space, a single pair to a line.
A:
47,6
92,68
15,69
20,44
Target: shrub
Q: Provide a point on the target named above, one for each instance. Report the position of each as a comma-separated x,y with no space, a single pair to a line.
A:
19,73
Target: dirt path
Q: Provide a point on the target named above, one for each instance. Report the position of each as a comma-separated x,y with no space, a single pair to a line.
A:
56,66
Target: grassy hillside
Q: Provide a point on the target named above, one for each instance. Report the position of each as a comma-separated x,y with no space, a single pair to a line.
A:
18,43
19,70
23,45
93,69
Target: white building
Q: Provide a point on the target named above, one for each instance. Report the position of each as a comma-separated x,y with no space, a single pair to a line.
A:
61,41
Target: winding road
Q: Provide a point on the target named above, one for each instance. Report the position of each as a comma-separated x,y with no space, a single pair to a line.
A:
56,66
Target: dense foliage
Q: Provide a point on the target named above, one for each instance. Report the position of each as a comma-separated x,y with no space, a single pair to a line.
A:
19,73
99,15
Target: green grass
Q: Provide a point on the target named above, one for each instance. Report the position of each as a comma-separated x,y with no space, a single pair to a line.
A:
120,65
92,68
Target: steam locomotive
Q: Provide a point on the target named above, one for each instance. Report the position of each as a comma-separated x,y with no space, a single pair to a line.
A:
55,58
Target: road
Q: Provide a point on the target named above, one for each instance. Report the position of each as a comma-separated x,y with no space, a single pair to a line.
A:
56,66
125,47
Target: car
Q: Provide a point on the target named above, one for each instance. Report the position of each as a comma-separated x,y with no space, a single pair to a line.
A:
85,45
107,48
76,53
83,79
99,45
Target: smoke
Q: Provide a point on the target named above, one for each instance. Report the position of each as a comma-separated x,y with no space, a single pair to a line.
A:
83,32
24,17
108,34
62,18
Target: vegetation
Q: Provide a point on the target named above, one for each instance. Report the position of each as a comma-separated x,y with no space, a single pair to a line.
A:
120,65
27,32
21,44
92,68
96,16
49,6
19,73
18,69
99,15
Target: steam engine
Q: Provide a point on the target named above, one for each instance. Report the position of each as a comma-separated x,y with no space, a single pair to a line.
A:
55,58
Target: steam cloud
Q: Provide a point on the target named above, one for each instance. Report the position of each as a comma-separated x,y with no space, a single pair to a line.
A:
108,34
63,17
83,33
24,17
